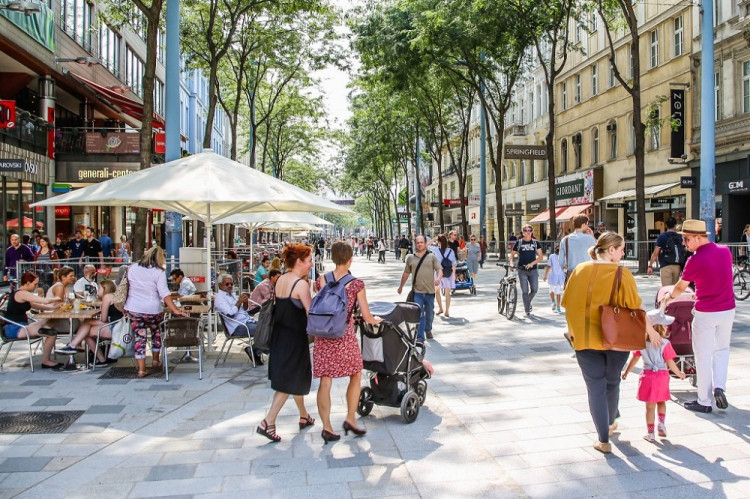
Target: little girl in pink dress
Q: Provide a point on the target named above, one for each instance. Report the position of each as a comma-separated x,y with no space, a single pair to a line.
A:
653,386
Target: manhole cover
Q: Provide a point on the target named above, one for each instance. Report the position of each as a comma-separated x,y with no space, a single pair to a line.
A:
131,373
22,423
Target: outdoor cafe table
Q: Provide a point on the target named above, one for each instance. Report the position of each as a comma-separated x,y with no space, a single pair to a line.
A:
81,314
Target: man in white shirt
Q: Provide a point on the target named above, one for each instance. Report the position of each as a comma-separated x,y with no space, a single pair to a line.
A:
86,285
186,285
574,248
227,304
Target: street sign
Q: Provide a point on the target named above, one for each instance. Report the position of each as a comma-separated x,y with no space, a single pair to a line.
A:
688,182
662,200
474,199
612,206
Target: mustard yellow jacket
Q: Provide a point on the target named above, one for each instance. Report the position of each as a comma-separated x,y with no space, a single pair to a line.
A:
589,286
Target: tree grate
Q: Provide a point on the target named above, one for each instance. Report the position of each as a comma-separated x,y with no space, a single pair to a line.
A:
132,373
26,423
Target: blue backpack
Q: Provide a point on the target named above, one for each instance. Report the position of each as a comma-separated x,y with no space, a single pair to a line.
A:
327,317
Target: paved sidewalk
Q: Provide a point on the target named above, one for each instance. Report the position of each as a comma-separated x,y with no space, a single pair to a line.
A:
505,416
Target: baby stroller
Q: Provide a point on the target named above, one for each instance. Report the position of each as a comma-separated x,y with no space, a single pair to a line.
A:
680,332
394,358
463,279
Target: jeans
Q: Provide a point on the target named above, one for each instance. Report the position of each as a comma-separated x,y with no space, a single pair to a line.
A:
601,371
528,279
712,332
426,302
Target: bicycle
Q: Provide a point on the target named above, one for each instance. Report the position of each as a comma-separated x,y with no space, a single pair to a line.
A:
507,295
741,280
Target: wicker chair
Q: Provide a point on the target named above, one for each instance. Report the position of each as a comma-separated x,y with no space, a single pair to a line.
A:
183,334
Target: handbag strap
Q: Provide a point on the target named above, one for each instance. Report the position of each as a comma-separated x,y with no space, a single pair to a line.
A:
567,251
615,287
414,277
589,295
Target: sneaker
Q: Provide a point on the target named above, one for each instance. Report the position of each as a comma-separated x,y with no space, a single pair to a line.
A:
554,307
720,398
429,335
696,407
559,310
662,429
66,350
649,437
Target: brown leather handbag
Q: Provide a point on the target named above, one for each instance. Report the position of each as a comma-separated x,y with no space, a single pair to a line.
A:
623,329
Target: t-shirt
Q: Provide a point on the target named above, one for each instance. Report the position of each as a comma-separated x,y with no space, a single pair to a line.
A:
186,287
527,251
455,245
13,256
425,280
474,251
656,358
576,250
76,248
661,243
710,268
92,248
85,287
260,274
107,245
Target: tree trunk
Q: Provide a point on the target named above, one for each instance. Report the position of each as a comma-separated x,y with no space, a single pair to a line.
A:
550,145
212,80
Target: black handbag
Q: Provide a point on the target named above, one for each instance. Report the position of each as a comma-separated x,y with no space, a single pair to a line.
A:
264,330
410,296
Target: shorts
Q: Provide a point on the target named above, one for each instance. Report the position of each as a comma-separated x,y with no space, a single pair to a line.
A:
556,289
11,330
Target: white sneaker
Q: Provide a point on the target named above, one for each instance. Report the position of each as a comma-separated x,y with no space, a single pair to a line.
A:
662,429
649,437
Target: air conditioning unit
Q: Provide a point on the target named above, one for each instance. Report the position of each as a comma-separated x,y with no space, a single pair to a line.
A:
612,127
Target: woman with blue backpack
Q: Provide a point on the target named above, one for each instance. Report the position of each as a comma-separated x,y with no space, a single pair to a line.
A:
336,353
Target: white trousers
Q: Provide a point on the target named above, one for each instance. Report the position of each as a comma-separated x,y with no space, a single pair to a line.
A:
711,334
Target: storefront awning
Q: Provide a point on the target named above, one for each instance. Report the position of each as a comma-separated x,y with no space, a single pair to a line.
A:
571,211
118,101
648,191
543,217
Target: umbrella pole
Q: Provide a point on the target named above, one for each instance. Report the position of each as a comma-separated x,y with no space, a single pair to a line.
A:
209,229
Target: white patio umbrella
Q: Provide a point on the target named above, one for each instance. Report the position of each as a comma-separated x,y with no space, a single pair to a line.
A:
207,186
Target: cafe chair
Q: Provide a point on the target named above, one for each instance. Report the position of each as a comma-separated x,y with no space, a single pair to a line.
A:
100,341
183,334
10,341
242,332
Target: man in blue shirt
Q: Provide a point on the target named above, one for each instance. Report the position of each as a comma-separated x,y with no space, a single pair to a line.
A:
75,246
227,304
107,244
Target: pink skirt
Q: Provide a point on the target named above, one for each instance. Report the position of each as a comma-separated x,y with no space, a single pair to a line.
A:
653,386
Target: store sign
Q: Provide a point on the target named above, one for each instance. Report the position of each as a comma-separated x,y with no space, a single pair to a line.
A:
514,212
525,152
62,211
677,110
434,204
614,206
91,172
160,143
536,205
662,200
739,185
455,202
576,188
474,199
7,114
473,215
18,166
113,143
688,182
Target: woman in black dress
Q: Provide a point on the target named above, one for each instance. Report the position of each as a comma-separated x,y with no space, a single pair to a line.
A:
289,367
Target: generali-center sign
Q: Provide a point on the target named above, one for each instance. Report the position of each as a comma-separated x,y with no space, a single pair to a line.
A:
89,172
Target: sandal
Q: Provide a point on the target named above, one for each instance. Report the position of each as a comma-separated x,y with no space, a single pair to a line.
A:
439,312
268,431
306,421
156,365
143,374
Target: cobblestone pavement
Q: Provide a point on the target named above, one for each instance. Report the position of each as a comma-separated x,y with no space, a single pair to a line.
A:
505,416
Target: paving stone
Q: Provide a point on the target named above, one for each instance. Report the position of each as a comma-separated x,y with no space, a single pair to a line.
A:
38,382
171,472
52,402
23,464
166,488
105,409
5,395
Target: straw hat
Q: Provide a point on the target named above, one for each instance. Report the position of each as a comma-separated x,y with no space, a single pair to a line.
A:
657,318
694,227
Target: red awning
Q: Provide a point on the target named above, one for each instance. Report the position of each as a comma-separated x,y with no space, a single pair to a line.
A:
543,217
572,211
118,101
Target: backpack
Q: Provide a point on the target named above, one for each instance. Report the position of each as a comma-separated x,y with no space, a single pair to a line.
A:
674,251
327,317
447,264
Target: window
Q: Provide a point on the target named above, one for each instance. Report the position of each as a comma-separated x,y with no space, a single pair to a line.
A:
655,129
612,79
532,172
593,22
138,23
577,147
134,69
453,189
161,45
523,173
678,36
76,21
717,13
531,105
579,32
109,49
159,97
717,95
564,155
612,136
594,80
578,88
469,184
539,105
654,48
632,61
746,87
595,146
564,96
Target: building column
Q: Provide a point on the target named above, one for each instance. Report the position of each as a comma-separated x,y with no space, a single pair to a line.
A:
47,111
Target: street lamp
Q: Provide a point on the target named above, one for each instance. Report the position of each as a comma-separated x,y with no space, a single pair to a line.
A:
90,61
25,7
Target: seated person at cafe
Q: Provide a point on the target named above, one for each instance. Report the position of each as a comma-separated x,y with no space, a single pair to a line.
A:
86,285
262,271
262,292
186,286
229,305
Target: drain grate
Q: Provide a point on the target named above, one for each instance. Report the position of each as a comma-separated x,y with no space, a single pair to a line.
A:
24,423
131,373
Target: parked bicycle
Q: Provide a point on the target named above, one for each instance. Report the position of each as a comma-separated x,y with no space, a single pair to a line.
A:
507,295
741,279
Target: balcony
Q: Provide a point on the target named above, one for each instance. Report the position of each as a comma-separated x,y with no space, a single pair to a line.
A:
30,133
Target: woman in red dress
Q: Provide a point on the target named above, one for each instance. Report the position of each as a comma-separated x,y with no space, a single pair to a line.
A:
341,357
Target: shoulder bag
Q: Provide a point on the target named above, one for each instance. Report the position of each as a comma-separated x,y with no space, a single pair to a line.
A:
623,329
410,296
567,259
121,293
264,329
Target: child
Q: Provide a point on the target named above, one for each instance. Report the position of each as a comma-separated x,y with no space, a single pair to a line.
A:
653,387
556,280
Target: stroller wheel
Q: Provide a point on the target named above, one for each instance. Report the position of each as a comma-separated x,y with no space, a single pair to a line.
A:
365,404
421,391
473,290
410,407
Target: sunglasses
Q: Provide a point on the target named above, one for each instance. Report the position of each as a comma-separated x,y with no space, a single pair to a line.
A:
528,230
228,284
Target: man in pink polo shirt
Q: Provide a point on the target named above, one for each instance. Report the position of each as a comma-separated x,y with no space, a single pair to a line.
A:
710,268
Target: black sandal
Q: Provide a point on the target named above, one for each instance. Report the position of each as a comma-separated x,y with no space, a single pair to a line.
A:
306,421
269,431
